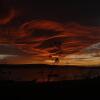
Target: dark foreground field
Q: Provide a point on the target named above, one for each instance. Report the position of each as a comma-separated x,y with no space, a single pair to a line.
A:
41,80
45,73
64,89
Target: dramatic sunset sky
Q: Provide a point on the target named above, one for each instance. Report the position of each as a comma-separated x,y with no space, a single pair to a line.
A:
37,32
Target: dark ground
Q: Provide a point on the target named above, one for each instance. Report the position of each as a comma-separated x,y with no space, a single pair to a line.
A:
45,73
89,82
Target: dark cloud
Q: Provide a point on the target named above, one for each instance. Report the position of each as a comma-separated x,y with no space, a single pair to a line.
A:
45,37
8,18
55,31
10,50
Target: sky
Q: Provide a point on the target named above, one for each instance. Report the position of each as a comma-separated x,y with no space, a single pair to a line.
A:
35,31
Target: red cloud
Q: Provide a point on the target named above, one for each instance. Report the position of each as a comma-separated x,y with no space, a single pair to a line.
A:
43,24
43,37
8,18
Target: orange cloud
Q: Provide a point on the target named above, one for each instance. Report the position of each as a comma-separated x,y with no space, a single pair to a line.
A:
45,37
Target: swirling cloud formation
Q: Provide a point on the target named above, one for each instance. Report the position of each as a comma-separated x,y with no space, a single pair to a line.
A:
46,37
